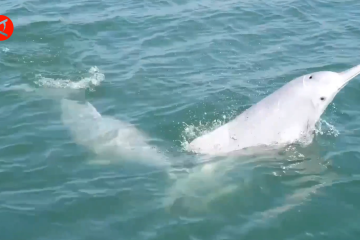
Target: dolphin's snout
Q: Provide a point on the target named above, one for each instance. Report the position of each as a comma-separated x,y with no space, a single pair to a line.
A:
350,74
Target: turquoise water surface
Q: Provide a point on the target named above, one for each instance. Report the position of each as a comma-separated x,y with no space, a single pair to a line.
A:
162,73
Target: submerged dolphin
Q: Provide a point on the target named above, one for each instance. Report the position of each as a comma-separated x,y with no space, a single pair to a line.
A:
286,116
108,136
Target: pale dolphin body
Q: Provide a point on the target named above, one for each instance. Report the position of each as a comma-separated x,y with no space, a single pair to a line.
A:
109,137
286,116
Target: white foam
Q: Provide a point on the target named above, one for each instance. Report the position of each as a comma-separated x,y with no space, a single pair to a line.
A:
95,78
5,49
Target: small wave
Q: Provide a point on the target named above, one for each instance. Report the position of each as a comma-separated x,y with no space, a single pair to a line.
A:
60,88
5,49
95,78
21,87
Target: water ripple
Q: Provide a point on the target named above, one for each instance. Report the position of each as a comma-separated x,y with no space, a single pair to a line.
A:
175,69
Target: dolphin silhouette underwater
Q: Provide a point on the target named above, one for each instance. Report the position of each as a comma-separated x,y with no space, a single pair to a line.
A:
284,117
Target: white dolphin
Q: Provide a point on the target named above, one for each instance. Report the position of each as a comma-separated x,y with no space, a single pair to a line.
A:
286,116
108,136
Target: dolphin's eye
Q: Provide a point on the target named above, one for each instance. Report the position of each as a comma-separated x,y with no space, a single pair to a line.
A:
322,98
310,77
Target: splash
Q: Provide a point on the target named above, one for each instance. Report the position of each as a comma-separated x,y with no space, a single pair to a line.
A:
5,49
192,131
325,128
95,78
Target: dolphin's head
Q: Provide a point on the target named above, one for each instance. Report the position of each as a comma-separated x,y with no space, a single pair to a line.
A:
322,87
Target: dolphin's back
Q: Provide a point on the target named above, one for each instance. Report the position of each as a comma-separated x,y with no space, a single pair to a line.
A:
276,119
